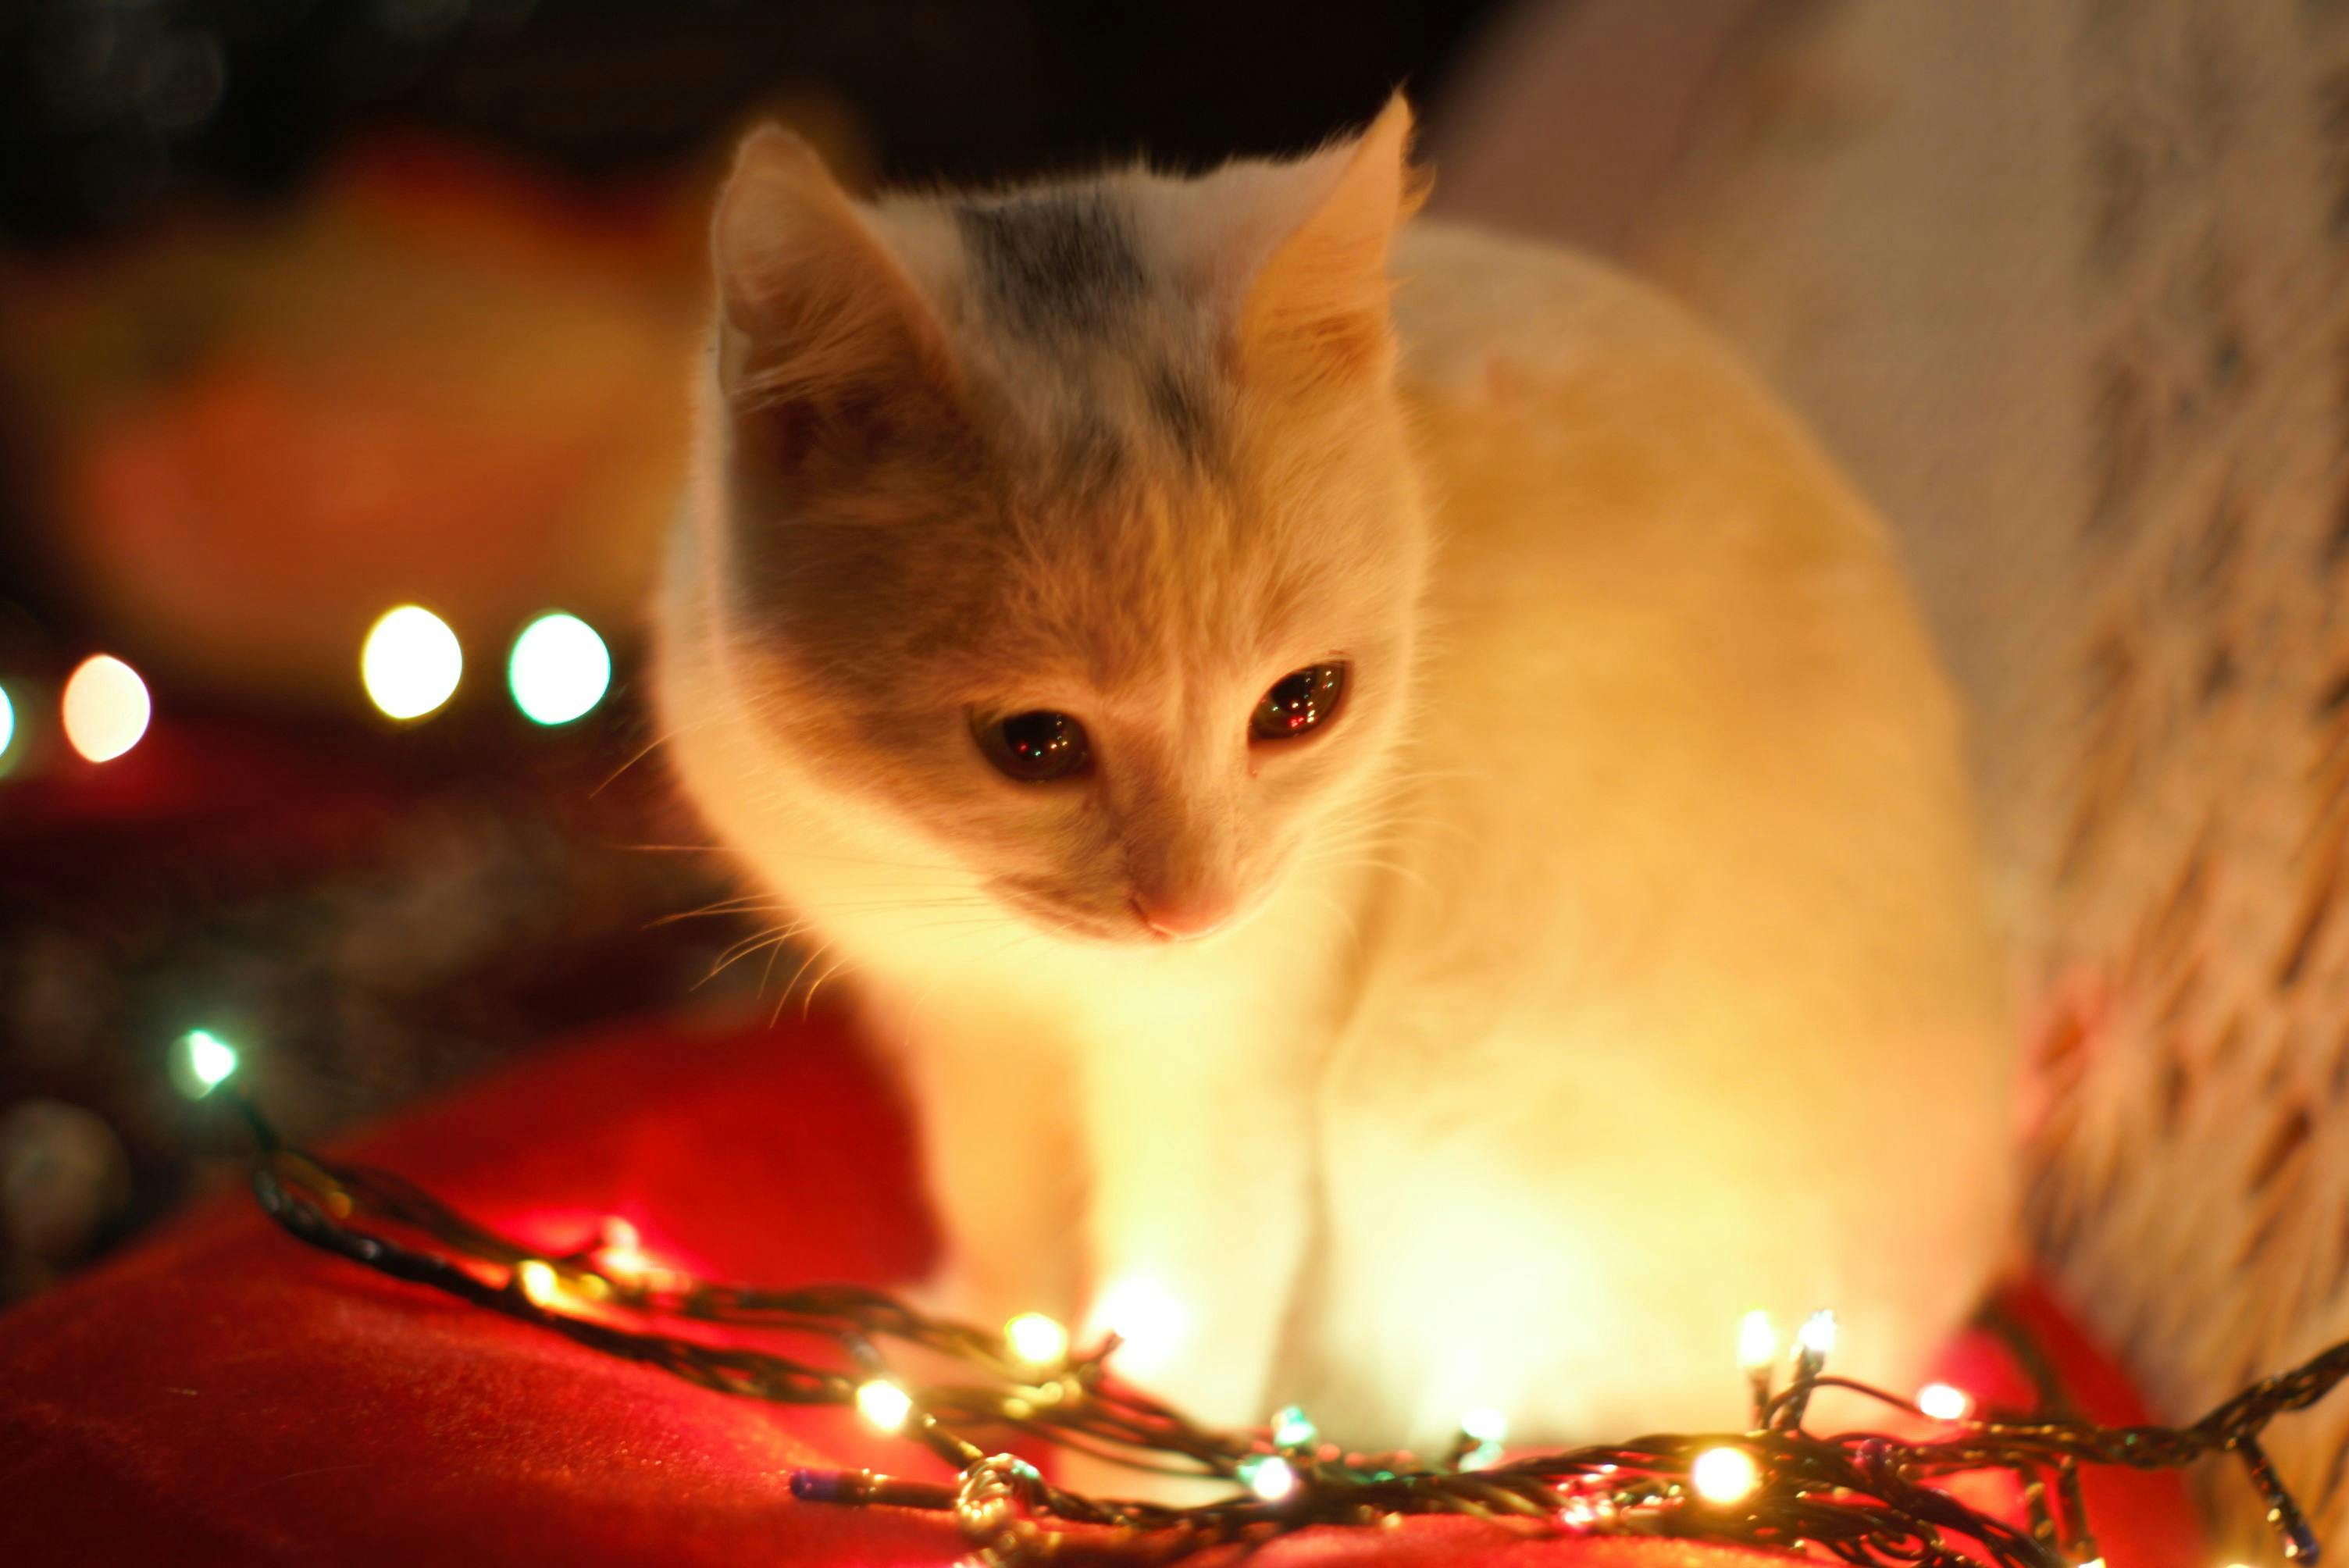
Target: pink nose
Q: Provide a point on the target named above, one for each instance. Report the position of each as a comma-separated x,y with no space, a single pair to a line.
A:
1181,917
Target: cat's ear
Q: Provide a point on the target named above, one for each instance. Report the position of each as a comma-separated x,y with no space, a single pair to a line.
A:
820,331
1317,311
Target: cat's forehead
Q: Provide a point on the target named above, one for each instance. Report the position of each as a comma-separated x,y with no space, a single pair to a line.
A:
1085,318
1055,263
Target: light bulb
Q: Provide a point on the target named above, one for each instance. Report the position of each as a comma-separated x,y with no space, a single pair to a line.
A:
1291,1428
559,669
1269,1476
104,708
201,1062
1819,1334
1757,1341
1942,1402
1037,1339
1724,1475
1150,1323
1486,1424
411,663
539,1280
883,1404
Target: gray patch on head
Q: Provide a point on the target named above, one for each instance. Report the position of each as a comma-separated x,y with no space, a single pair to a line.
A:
1053,265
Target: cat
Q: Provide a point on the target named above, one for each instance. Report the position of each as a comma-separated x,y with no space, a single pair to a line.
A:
1391,809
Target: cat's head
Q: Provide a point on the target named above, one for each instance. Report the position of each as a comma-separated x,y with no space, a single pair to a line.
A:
1071,528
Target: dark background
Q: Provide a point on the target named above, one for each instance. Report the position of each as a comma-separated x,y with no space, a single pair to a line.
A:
374,912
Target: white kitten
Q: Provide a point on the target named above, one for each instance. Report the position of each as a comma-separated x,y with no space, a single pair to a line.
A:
1404,880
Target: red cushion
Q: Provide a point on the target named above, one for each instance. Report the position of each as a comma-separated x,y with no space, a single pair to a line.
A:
224,1394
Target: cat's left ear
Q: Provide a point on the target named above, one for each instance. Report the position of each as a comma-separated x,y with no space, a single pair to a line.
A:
822,336
1317,311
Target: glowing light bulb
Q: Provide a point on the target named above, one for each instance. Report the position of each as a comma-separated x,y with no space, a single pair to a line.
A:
559,669
2093,1563
1724,1475
539,1280
1150,1323
621,1254
1269,1476
1486,1424
1942,1402
1037,1339
201,1062
1757,1342
106,707
1293,1428
411,662
883,1404
7,721
1818,1333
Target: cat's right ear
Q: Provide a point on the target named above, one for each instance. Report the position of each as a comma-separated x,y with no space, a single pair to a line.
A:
820,332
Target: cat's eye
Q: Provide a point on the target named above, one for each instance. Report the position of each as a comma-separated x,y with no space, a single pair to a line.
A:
1035,747
1300,702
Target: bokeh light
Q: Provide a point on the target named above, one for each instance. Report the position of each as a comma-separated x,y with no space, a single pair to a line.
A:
1757,1341
559,669
1036,1340
106,707
1486,1424
883,1404
7,725
539,1282
1943,1402
1724,1475
201,1062
1152,1326
411,663
1269,1476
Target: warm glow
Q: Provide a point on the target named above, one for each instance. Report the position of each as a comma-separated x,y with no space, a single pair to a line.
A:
1150,1324
1819,1334
1757,1341
539,1280
1037,1340
1724,1475
621,1254
106,707
411,663
1942,1402
559,669
1269,1476
1486,1424
883,1404
201,1062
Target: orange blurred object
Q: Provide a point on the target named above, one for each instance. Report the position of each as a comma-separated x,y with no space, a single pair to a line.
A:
440,380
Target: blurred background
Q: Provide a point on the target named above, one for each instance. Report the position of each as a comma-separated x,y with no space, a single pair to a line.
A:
311,309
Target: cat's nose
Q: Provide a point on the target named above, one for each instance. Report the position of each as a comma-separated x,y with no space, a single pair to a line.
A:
1184,916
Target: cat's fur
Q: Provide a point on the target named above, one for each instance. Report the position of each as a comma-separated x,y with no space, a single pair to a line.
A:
1614,963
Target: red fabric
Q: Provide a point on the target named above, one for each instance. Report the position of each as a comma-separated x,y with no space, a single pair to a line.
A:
224,1395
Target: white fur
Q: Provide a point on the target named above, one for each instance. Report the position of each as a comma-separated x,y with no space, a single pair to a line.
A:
1643,979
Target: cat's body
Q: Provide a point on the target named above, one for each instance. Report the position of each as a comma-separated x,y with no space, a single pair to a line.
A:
1622,969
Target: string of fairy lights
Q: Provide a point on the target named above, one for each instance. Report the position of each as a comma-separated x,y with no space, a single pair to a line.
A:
558,670
1859,1498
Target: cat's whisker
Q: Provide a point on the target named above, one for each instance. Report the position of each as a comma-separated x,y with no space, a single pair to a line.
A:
748,904
649,747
